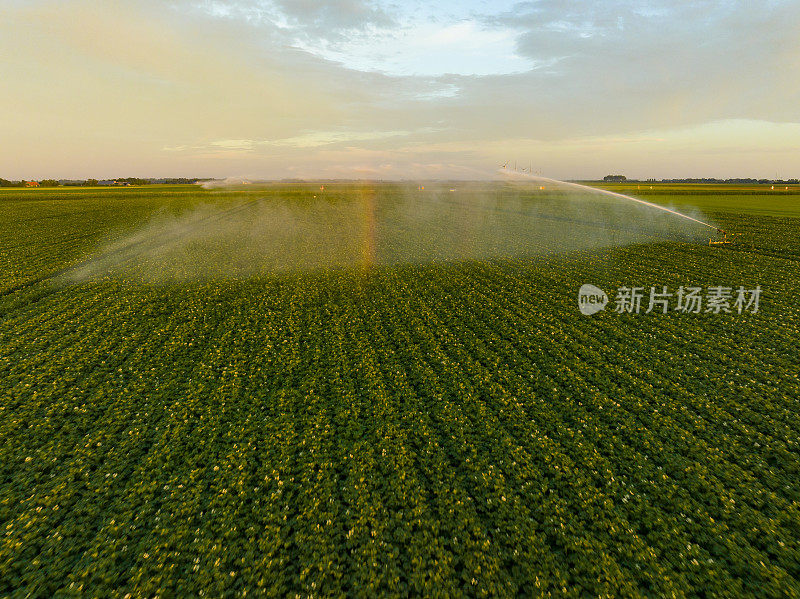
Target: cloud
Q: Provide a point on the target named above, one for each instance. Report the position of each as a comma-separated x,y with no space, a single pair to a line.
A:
338,15
366,36
234,144
315,139
309,139
193,85
428,50
297,20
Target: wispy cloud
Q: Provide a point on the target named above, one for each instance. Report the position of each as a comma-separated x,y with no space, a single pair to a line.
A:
315,139
309,139
332,18
428,49
234,144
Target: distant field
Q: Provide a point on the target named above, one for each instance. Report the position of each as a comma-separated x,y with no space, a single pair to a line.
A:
432,416
739,199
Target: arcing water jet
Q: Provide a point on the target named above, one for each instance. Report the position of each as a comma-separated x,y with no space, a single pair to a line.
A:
610,193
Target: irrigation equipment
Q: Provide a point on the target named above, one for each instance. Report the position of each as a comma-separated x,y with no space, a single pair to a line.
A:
727,239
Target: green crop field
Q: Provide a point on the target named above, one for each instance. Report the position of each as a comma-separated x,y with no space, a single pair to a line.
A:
765,200
250,391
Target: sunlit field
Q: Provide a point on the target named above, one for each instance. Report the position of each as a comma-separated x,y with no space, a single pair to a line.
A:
389,389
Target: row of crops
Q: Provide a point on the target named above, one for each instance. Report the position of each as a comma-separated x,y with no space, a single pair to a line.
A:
436,429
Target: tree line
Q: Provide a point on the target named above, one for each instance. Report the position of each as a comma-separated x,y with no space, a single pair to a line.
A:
95,182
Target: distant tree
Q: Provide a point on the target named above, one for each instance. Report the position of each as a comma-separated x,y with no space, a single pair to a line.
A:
180,181
133,180
7,183
617,178
48,183
91,182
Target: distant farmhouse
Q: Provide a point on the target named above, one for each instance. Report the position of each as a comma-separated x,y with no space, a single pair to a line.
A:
31,184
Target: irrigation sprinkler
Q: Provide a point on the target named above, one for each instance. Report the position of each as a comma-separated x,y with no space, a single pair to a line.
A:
727,239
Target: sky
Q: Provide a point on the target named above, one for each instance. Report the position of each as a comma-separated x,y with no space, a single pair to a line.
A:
391,89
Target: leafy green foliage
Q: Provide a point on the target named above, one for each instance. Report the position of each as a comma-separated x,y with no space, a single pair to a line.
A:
437,429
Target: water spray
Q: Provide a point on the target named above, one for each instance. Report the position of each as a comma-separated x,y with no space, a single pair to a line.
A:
725,235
